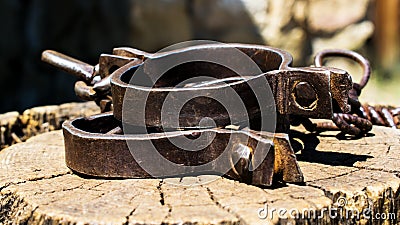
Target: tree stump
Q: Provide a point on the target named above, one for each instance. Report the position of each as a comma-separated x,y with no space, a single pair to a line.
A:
341,176
16,127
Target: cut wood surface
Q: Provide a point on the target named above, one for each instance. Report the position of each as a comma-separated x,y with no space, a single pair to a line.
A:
37,188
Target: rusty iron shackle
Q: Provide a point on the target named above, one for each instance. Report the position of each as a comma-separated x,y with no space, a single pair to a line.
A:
308,92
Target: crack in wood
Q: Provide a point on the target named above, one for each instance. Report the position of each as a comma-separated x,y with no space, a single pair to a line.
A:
326,192
97,185
162,200
368,167
33,180
332,177
388,149
212,197
127,217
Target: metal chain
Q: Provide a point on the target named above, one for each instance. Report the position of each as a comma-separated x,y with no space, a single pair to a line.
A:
388,116
362,117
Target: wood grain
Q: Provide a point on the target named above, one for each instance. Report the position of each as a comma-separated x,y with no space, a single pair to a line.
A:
37,188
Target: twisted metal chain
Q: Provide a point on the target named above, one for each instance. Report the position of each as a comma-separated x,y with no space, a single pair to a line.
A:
362,117
388,116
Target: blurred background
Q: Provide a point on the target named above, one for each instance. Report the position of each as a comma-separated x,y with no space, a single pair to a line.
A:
85,29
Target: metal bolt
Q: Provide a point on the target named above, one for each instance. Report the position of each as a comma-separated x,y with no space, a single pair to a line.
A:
305,95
